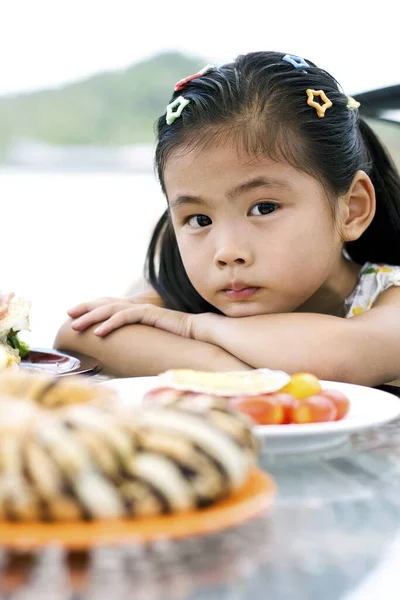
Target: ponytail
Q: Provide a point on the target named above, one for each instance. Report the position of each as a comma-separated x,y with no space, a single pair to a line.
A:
169,278
380,243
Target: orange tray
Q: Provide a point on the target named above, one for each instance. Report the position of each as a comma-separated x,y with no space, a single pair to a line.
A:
250,501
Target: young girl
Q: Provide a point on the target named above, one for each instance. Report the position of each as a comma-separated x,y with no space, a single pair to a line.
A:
283,221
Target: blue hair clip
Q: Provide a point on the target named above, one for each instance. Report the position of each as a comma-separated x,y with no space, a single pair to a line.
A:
296,61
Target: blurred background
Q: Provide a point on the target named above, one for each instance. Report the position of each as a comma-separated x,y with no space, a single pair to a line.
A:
81,85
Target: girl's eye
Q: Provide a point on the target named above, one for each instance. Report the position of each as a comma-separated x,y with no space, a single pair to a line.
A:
197,221
263,208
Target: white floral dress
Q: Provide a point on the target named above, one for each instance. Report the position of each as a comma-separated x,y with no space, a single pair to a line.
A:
373,280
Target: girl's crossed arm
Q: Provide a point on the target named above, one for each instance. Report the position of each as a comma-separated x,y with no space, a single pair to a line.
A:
364,349
138,350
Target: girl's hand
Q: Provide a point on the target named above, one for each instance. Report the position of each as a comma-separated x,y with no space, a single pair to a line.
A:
87,314
86,307
5,300
197,326
96,311
119,314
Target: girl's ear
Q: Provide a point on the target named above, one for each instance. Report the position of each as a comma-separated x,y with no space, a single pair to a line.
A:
357,207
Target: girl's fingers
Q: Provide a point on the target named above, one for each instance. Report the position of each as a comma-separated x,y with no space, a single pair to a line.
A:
129,316
85,307
168,320
97,315
77,311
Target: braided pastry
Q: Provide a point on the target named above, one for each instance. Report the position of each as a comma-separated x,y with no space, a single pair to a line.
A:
69,449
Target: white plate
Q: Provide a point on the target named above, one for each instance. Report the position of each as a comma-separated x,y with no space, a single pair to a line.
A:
368,408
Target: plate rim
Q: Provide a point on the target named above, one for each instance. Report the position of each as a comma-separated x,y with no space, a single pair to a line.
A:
93,368
255,496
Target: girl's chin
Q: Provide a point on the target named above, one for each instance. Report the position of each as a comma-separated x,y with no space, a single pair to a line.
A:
243,310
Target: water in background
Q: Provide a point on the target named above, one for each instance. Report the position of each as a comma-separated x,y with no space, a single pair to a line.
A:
68,237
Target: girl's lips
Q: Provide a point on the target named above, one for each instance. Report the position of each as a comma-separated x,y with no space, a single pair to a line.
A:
242,294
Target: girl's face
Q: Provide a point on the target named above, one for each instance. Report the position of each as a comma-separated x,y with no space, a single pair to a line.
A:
255,237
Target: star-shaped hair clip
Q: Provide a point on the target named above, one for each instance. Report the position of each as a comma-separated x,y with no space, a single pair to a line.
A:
179,103
320,108
182,82
296,61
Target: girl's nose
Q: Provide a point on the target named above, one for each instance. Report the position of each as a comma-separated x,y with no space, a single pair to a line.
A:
230,254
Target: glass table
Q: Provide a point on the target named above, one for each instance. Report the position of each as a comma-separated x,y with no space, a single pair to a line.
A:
335,517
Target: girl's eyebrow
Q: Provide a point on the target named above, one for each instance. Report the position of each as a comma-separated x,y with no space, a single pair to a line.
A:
247,186
259,182
186,199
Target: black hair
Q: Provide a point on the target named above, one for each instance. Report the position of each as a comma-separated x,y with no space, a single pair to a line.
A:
260,100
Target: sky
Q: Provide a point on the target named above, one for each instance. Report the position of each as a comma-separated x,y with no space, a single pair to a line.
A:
46,43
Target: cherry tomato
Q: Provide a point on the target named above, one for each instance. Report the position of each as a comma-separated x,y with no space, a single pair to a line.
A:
302,385
287,401
315,409
263,410
341,402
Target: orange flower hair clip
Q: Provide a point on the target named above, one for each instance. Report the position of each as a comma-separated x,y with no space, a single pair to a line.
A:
320,108
182,82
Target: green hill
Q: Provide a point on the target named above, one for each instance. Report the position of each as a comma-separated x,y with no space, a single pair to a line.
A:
111,108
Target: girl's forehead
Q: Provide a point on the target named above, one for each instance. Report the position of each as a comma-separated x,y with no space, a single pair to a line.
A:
211,157
222,168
